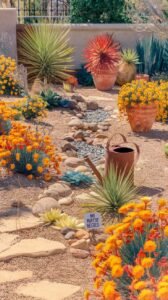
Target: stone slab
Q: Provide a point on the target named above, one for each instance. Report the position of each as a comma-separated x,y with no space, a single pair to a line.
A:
9,276
46,290
33,248
7,240
18,219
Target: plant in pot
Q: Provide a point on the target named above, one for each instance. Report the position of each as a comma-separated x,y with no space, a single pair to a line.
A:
70,84
127,66
139,100
103,56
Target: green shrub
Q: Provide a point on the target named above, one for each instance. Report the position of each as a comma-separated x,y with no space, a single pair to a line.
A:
84,77
98,11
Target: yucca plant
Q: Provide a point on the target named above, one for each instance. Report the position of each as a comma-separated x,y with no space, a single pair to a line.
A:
44,50
115,190
127,66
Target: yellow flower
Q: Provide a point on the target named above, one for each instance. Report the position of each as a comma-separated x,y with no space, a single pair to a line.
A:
138,271
146,294
117,271
30,177
114,260
109,290
46,161
166,231
150,246
161,203
137,224
147,262
40,169
29,167
47,177
140,285
86,295
162,293
12,166
29,149
17,156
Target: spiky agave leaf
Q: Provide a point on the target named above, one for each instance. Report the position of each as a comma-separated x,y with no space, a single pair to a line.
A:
68,221
52,216
116,189
52,98
77,178
130,56
102,54
44,50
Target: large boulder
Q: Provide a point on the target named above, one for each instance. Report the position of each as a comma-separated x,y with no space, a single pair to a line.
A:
43,205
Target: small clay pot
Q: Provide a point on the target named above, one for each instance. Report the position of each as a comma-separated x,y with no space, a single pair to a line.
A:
142,76
105,80
141,118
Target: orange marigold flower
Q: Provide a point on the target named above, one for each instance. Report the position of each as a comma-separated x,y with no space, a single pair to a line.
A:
147,262
138,271
86,295
29,167
150,246
117,271
162,293
146,294
145,215
140,285
17,156
12,166
47,177
114,260
138,223
30,177
40,169
162,202
166,231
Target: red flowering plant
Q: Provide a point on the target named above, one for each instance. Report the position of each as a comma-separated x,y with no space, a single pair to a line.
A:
102,54
133,261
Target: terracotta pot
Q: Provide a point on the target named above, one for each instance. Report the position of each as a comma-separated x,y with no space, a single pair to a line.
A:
142,76
141,118
105,81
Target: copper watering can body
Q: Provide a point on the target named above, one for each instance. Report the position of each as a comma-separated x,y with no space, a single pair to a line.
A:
120,156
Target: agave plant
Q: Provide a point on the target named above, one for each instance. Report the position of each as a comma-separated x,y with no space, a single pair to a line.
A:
70,222
115,190
153,55
127,67
77,178
52,98
102,54
44,50
52,216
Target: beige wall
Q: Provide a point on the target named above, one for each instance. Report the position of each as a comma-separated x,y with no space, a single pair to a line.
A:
8,20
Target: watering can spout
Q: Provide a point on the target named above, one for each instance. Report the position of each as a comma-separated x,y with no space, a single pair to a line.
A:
94,169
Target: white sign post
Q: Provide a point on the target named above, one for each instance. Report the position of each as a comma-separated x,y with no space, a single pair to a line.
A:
92,221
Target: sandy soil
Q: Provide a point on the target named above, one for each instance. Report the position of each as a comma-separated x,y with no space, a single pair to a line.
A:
150,175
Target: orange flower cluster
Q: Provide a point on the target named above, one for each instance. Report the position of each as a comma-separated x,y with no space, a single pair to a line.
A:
26,151
72,80
133,261
6,112
8,84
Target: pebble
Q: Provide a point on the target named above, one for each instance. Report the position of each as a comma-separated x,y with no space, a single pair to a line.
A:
78,98
95,152
65,201
43,205
96,116
92,105
69,235
76,123
78,253
80,234
81,169
61,188
65,230
81,244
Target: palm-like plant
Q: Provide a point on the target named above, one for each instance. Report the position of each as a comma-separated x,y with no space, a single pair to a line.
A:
44,50
115,190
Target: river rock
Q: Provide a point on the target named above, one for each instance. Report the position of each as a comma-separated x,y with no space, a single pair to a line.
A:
73,162
65,146
78,98
69,235
78,253
82,234
76,123
62,189
66,201
92,105
82,169
78,135
43,205
81,244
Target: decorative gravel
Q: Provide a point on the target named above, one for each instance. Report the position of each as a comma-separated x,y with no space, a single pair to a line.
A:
96,116
95,152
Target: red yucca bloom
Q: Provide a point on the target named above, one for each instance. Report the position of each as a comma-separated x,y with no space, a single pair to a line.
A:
102,54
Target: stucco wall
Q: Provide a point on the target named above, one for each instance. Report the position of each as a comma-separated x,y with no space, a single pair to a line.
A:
80,34
8,20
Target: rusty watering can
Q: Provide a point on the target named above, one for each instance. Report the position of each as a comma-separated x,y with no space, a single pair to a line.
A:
120,156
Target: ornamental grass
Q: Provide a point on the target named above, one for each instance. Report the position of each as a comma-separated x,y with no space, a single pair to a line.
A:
133,261
28,152
8,83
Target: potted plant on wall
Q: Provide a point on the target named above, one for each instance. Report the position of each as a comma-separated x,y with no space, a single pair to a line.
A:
103,56
139,100
127,66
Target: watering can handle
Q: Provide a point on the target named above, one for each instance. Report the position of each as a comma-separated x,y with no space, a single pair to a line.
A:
124,142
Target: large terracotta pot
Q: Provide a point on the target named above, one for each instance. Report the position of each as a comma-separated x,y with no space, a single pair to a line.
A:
104,81
142,76
141,118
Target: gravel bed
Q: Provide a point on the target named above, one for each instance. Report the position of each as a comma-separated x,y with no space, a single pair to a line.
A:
95,152
96,116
